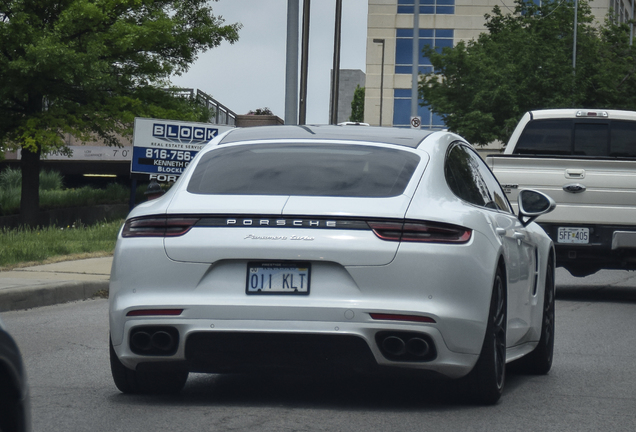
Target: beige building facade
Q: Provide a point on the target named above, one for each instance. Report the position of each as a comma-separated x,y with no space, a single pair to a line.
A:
441,23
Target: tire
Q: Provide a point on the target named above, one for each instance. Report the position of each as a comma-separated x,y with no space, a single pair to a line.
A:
155,382
581,271
485,383
539,361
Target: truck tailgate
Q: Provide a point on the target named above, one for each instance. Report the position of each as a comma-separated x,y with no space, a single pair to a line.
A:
585,190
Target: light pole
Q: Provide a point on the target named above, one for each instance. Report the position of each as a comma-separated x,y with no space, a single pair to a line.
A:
304,63
631,26
381,41
576,14
291,68
335,72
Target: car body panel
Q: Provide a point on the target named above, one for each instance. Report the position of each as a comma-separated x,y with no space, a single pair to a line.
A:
360,282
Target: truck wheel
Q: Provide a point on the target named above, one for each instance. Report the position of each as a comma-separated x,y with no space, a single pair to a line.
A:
485,382
131,381
581,271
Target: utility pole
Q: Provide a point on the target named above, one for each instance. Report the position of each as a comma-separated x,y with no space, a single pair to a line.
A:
576,25
631,26
304,62
381,41
416,57
291,70
335,72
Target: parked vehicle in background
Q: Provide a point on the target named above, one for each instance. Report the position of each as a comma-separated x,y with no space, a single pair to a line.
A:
15,412
337,248
586,161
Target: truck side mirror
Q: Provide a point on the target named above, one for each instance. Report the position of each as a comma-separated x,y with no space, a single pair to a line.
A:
533,204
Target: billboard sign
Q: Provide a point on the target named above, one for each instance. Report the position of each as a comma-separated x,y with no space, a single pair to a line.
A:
166,147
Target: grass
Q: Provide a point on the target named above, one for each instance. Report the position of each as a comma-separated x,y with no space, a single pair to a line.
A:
29,246
24,246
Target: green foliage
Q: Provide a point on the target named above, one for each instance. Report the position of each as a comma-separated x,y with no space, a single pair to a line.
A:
24,244
12,179
50,180
261,111
357,105
89,67
53,196
482,87
92,66
84,196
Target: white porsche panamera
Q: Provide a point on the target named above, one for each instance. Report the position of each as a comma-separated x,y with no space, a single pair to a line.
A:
337,249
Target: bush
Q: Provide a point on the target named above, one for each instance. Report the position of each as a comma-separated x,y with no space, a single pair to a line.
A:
52,194
12,179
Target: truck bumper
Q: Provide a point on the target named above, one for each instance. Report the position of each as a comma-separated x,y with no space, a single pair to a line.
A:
609,247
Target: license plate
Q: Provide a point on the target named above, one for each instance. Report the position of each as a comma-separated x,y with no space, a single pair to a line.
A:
574,235
278,278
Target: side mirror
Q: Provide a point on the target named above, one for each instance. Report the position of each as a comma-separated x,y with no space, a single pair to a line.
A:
533,204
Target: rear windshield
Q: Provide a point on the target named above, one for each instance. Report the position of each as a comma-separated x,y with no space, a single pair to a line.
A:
615,138
304,169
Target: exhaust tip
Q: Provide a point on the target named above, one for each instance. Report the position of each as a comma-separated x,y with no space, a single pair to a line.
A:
141,341
154,340
417,347
394,345
162,341
406,346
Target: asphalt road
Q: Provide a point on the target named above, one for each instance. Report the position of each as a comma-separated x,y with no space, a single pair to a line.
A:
591,387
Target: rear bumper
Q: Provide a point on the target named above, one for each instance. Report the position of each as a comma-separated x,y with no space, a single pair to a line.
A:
239,346
609,247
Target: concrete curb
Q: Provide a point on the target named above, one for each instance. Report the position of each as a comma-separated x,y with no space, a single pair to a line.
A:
49,294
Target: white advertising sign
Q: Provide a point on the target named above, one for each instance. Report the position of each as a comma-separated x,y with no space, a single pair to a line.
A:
166,147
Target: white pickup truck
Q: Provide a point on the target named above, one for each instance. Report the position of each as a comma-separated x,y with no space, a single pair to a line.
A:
586,161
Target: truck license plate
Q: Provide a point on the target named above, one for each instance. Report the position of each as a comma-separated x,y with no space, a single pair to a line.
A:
573,235
278,278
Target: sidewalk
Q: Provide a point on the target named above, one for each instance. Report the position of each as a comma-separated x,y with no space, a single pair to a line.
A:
48,284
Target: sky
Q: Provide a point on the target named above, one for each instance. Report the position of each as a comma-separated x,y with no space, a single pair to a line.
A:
250,73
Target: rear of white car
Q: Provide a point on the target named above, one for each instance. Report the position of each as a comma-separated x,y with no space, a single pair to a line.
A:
304,254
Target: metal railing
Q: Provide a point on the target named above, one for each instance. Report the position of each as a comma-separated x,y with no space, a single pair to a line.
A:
221,114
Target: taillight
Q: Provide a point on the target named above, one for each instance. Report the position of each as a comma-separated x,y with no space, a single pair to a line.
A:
429,232
158,226
592,114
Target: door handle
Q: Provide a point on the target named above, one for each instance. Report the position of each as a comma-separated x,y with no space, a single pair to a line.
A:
518,235
574,188
575,173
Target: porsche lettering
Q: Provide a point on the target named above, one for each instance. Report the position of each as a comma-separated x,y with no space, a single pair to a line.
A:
281,223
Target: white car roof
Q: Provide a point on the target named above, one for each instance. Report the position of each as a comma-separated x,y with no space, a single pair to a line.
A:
405,137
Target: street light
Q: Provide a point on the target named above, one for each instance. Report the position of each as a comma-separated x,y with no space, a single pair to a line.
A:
381,41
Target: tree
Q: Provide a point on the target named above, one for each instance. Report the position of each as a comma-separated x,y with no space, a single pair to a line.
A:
89,67
357,105
261,111
482,87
